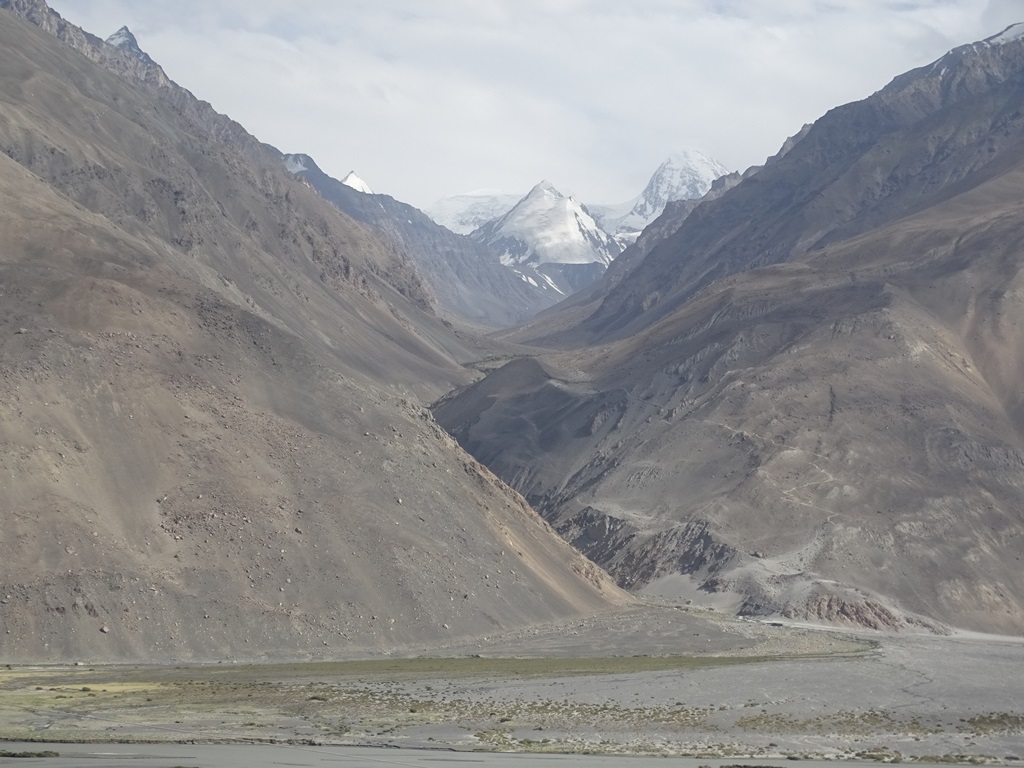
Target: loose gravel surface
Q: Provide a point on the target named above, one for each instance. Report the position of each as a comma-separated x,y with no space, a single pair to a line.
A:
768,692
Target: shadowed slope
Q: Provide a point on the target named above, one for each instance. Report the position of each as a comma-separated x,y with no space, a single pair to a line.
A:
210,438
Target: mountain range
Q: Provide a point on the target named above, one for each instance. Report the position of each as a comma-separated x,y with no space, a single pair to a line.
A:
573,242
496,260
795,396
800,397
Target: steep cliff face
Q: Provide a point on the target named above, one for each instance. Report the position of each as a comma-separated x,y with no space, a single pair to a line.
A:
211,442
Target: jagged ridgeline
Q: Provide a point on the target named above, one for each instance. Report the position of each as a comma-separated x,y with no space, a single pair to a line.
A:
212,442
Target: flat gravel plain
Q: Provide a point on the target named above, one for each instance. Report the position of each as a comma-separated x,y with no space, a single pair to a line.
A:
250,756
762,692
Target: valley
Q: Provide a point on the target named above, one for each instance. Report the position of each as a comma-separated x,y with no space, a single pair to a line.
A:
729,471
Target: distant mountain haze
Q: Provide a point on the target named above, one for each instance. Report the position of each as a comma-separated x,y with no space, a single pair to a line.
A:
464,213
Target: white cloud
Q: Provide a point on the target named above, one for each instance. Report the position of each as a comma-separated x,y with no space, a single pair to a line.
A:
429,99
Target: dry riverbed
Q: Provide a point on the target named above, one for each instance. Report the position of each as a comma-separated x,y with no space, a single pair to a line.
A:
761,691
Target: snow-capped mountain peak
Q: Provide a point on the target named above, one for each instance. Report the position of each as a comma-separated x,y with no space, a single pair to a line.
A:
545,187
351,180
556,228
685,175
297,163
125,40
122,38
1011,34
549,237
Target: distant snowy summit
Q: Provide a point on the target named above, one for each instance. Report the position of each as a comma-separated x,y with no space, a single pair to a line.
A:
125,40
297,164
551,240
686,175
471,210
351,180
1011,34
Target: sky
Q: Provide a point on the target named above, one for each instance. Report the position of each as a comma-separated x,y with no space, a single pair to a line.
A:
429,98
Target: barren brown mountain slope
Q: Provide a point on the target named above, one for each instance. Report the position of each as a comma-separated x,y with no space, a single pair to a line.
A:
838,437
210,438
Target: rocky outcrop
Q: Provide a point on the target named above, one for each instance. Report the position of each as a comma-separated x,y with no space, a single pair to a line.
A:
111,58
636,558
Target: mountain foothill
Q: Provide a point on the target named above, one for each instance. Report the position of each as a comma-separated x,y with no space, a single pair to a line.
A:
248,410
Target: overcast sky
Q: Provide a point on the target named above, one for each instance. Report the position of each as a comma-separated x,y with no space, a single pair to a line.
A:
429,98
